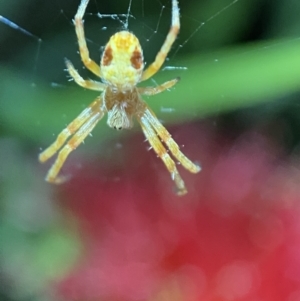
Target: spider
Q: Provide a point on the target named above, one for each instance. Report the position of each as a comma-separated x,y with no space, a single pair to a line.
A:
121,69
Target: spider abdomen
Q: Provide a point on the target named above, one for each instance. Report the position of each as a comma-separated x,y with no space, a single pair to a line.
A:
122,61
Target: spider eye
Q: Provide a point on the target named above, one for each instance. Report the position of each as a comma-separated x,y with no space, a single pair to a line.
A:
118,128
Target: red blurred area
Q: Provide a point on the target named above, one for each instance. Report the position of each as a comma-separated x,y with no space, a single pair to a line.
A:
234,236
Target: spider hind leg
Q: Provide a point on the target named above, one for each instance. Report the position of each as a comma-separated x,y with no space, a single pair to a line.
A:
83,49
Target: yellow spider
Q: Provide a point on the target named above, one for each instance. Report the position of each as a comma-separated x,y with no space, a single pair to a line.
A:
121,69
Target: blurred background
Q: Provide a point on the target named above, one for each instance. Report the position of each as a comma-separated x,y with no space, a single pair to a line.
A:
116,230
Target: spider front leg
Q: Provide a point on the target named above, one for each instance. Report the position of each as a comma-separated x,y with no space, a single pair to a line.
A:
162,153
82,126
71,145
70,129
169,141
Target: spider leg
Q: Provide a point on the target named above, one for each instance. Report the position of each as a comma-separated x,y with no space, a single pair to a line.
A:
163,52
84,52
169,141
155,90
71,129
71,145
162,153
88,84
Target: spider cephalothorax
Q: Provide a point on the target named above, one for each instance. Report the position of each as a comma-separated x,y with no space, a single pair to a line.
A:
121,69
121,106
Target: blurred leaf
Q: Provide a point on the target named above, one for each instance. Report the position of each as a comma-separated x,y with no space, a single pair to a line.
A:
34,262
55,253
213,83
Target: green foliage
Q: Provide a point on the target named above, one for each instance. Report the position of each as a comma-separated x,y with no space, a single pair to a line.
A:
213,83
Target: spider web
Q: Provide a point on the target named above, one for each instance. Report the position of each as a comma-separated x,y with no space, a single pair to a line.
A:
38,52
36,38
149,21
133,16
